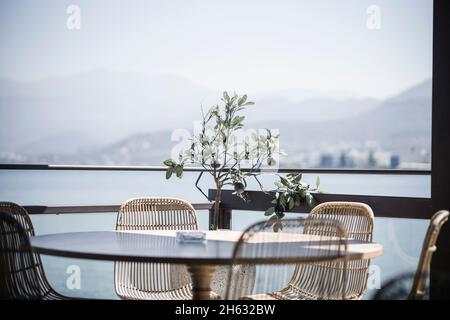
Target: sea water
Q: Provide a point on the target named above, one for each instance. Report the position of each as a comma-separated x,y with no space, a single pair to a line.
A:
401,238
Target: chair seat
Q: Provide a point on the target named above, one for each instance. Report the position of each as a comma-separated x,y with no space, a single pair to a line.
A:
290,293
184,293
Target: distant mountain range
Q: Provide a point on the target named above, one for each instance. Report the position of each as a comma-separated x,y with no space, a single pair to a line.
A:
127,118
400,124
106,106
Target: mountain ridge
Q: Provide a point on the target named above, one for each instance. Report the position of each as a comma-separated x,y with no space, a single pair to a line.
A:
121,113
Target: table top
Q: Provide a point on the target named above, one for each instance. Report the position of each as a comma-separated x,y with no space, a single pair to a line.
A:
161,246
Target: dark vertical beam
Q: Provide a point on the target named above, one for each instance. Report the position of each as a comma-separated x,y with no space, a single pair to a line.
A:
224,218
225,214
440,176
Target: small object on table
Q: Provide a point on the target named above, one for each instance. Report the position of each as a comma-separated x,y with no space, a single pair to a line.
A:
191,236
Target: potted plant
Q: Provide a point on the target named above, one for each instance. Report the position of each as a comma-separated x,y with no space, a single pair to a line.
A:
231,159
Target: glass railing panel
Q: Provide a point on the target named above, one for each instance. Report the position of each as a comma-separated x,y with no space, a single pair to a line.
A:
401,238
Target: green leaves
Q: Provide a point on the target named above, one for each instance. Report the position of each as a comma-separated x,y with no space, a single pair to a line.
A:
279,184
290,193
242,99
179,171
226,97
291,203
269,211
238,179
239,187
173,167
310,200
168,162
236,123
296,177
214,142
285,182
169,173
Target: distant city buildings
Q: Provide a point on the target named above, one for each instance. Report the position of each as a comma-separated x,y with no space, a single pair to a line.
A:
364,157
138,151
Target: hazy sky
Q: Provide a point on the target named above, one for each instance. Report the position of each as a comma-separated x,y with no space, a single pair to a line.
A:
254,46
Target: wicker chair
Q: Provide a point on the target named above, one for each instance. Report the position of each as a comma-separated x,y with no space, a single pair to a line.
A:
322,277
154,281
428,248
20,214
21,272
357,219
399,287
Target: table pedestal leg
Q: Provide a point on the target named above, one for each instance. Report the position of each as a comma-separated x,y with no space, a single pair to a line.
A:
201,280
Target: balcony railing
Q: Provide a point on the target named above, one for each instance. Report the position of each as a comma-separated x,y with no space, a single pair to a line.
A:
199,169
384,206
